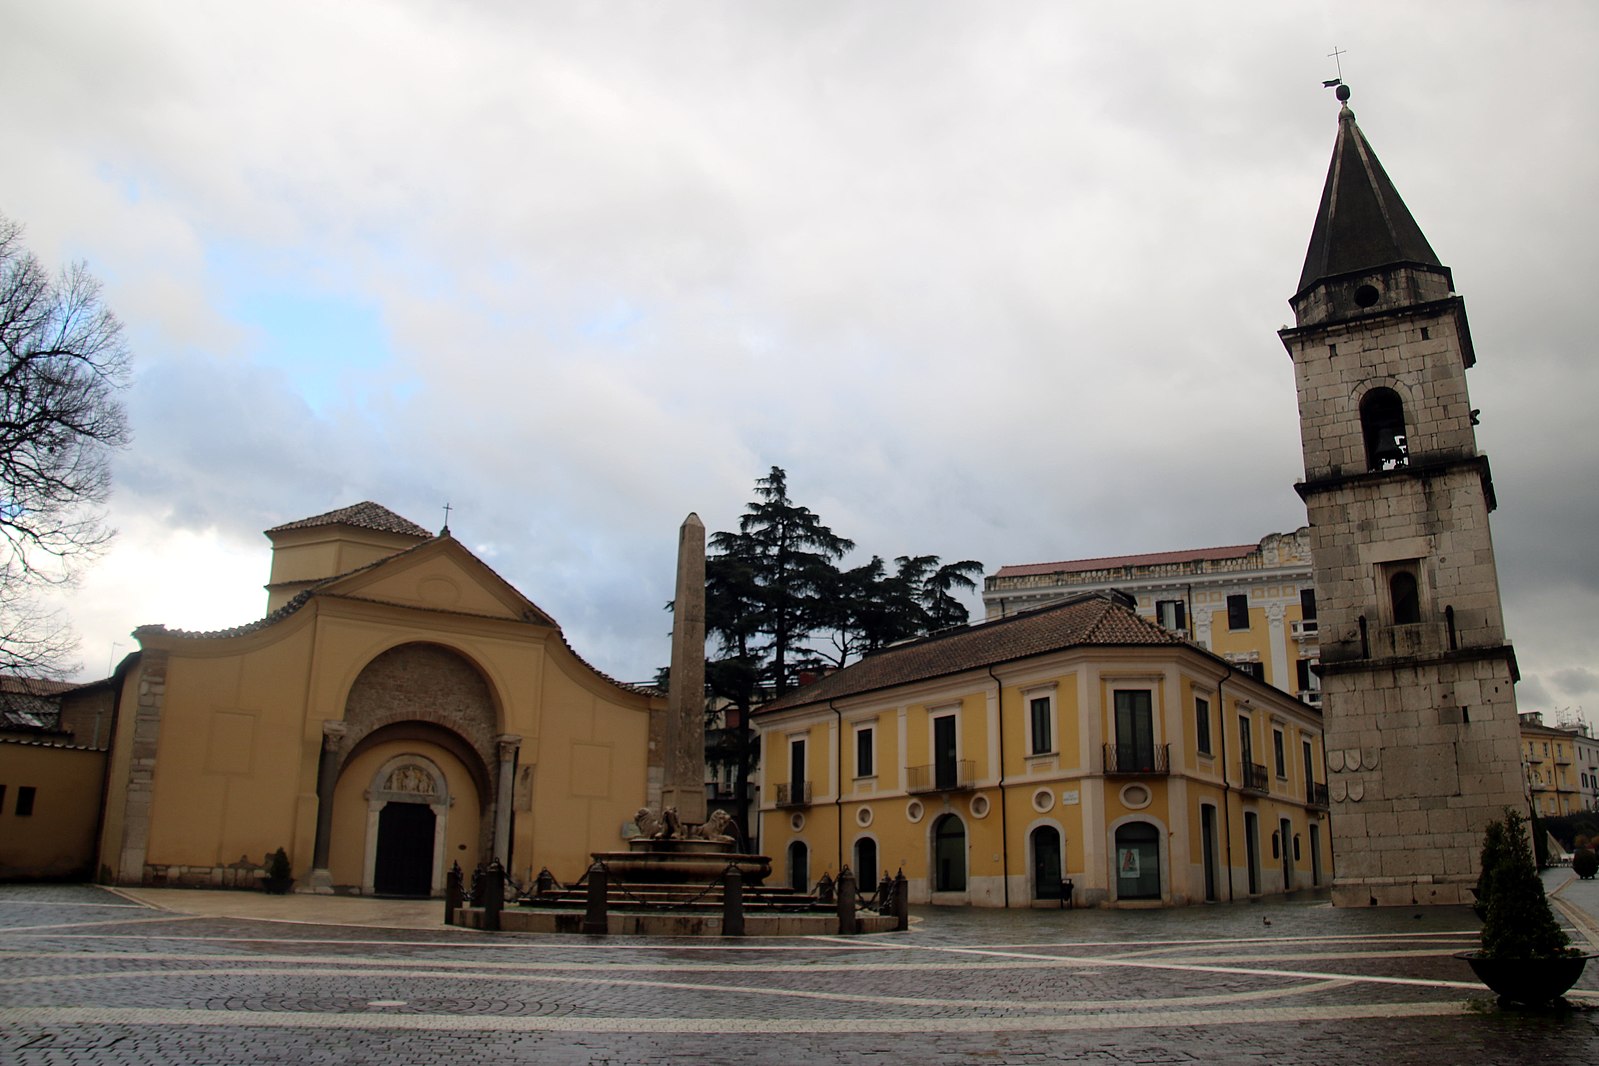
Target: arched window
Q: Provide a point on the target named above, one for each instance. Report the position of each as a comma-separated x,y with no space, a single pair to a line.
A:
1405,598
1137,861
949,854
1382,422
799,867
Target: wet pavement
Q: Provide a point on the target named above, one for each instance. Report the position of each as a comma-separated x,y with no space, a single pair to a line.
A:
93,976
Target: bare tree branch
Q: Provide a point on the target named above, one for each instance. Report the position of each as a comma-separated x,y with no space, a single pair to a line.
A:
63,364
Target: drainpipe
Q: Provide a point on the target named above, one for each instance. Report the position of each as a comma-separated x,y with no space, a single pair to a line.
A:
1004,823
838,785
1226,788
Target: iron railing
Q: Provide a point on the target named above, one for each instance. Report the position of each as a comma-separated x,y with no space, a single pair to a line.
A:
1316,794
1138,758
796,794
1255,779
951,776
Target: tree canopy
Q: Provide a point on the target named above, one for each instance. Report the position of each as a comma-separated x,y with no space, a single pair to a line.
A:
60,419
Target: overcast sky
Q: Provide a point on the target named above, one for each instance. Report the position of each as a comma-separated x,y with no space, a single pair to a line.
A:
991,281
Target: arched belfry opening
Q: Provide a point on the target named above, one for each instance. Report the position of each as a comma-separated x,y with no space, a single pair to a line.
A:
421,775
1382,423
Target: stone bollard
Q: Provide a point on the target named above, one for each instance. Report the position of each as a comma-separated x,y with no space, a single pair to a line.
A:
902,902
885,893
733,902
493,895
475,894
452,893
544,884
848,924
596,920
824,889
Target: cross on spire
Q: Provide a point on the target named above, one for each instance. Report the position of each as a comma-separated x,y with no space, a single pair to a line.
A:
446,530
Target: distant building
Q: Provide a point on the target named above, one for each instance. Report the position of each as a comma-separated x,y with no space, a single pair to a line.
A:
53,738
1078,742
1252,604
1561,765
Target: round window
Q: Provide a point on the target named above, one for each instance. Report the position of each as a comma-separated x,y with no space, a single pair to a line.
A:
1043,800
978,806
863,817
796,821
913,811
1366,295
1135,797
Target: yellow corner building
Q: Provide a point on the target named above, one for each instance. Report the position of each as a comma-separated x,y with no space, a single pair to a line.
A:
400,708
1076,751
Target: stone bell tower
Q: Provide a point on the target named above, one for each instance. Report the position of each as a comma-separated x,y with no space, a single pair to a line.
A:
1422,741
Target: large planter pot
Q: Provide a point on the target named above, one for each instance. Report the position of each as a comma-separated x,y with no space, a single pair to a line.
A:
1532,982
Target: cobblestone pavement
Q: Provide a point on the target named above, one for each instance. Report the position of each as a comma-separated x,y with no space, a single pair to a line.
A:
89,976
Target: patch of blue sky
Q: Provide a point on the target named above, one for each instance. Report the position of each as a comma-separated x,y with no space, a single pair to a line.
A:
332,343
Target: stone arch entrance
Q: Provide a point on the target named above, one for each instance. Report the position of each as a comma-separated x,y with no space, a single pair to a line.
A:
436,696
408,809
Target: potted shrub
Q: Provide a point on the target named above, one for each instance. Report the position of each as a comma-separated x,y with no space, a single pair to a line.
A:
278,882
1585,864
1525,956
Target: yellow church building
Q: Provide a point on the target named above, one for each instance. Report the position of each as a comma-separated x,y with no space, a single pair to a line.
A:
400,708
1075,745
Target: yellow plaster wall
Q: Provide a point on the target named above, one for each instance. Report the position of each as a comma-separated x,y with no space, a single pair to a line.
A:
57,839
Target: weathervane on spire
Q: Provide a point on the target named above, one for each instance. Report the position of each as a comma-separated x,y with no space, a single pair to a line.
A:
1343,90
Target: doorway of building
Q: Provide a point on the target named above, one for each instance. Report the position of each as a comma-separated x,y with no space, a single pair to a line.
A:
1046,862
799,866
949,854
866,865
405,850
1137,861
1207,845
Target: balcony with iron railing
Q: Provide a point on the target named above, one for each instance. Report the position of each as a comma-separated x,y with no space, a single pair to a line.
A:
955,775
1138,759
796,794
1256,780
1316,795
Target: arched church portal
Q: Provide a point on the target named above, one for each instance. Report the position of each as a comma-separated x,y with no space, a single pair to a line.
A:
408,810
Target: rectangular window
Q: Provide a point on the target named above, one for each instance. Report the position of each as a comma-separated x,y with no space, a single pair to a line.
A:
1307,604
864,765
1202,725
2,799
1238,611
796,766
1040,714
1310,771
1246,743
1135,730
24,801
1171,613
1256,669
945,765
1278,753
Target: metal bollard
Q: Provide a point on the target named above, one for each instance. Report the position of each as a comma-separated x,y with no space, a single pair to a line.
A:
848,924
452,893
596,920
902,903
493,896
733,903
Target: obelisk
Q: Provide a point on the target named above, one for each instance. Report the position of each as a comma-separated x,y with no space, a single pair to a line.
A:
684,786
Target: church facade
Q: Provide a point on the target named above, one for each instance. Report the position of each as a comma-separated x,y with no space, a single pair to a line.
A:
399,709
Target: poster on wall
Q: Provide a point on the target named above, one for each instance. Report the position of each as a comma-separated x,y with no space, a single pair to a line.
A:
1127,863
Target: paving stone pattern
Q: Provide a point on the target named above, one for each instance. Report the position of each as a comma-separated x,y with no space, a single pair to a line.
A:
89,976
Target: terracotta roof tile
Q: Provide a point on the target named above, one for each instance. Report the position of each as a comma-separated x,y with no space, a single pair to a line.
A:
1114,562
363,515
1090,619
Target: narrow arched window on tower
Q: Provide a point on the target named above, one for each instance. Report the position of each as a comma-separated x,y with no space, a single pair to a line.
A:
1382,422
1405,598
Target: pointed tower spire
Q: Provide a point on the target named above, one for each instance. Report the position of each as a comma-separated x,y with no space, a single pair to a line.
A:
1362,225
